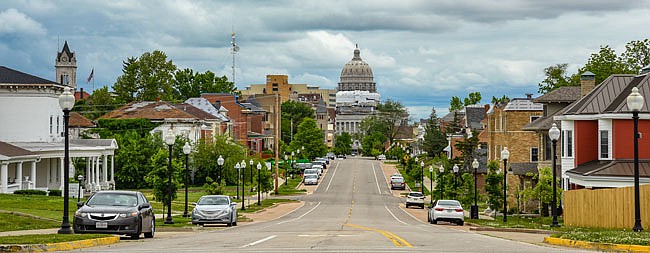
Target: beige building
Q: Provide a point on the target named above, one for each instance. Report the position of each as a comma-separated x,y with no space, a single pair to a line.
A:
287,91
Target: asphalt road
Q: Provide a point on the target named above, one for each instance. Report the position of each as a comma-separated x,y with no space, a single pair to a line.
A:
352,210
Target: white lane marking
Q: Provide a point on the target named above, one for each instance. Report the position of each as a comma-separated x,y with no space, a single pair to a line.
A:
259,241
377,181
395,217
332,177
299,217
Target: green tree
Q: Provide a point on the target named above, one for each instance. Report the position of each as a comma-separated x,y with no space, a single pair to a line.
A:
636,55
310,137
373,144
455,104
474,98
503,99
206,155
605,63
293,113
343,144
543,190
188,84
555,77
494,186
158,177
393,114
435,139
146,78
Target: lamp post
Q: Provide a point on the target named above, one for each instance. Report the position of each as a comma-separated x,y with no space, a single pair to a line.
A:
505,154
251,174
170,138
80,178
66,102
220,162
243,184
455,170
431,183
286,172
635,102
238,168
186,150
416,164
422,181
554,134
441,170
473,214
259,178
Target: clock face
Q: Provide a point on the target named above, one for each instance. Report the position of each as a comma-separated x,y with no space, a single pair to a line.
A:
64,59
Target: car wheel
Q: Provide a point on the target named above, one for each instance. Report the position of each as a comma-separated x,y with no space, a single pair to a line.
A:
153,230
460,223
434,221
422,206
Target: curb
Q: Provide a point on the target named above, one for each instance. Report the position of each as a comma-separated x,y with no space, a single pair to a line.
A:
596,245
514,230
60,246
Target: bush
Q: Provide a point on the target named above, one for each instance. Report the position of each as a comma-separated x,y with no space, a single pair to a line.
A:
30,192
212,188
54,193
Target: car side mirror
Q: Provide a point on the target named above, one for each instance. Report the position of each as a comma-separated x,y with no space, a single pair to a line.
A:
144,205
80,204
233,204
193,203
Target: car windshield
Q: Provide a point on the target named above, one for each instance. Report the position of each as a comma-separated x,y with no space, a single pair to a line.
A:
213,201
416,194
397,179
311,176
448,203
310,171
113,199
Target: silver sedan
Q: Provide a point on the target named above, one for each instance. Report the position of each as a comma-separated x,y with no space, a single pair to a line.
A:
446,210
215,209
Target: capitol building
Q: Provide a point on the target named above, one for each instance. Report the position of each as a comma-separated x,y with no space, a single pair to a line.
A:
356,96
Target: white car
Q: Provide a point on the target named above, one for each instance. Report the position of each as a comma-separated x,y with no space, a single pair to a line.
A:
415,199
381,157
318,167
311,172
446,210
311,179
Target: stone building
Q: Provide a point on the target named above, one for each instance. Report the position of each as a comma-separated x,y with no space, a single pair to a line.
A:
287,91
66,67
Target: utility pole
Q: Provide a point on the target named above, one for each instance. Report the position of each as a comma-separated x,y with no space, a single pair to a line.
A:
275,140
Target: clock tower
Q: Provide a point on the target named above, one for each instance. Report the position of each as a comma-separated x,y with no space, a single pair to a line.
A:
66,67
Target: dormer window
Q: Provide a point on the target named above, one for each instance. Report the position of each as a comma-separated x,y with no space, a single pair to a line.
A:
604,144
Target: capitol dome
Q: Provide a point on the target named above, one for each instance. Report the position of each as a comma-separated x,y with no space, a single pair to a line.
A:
357,75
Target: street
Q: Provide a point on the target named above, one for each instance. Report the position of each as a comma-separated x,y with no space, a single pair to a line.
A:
351,210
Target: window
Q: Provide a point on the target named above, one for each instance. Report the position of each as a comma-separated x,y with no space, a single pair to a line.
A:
533,118
604,144
51,124
534,154
567,150
57,125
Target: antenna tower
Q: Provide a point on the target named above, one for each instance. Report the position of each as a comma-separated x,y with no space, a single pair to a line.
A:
234,49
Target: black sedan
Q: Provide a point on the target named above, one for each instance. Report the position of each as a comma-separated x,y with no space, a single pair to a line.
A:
116,212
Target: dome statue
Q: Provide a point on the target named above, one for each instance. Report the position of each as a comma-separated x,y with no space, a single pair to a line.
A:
357,75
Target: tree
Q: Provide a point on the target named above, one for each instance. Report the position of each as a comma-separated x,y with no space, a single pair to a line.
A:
188,84
474,98
158,177
373,144
555,78
636,55
605,63
343,144
293,113
543,190
455,104
146,78
504,99
206,155
494,186
435,139
393,114
310,137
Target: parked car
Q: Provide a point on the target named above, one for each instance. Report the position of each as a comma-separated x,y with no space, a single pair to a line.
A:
446,210
415,199
320,162
215,209
310,179
115,212
319,168
311,172
397,183
341,156
381,157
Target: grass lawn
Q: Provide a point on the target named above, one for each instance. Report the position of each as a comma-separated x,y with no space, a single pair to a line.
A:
41,206
264,204
289,188
47,238
13,222
519,222
605,236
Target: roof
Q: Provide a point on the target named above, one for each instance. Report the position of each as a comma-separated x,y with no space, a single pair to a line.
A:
474,116
615,168
449,117
198,113
523,168
322,107
252,107
79,94
404,133
8,150
523,104
12,76
152,110
565,94
605,95
544,123
205,105
78,120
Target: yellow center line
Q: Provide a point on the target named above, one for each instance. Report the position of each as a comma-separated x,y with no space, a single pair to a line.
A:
398,241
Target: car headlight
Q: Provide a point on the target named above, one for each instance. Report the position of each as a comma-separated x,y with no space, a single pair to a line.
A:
124,215
81,214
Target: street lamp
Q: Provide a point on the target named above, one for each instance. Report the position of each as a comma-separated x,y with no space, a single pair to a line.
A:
80,178
455,169
237,167
422,181
473,214
66,102
243,184
431,183
635,103
251,163
441,170
286,172
259,169
220,162
170,138
554,134
186,150
505,154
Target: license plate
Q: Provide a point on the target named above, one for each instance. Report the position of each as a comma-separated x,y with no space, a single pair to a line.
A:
449,211
101,225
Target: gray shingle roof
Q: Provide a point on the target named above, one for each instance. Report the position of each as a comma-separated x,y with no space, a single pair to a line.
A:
523,168
12,76
565,94
617,168
474,116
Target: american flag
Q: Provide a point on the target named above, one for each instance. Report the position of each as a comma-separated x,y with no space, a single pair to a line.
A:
90,77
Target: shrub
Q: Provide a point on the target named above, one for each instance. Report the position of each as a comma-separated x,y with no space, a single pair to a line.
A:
212,188
54,192
30,192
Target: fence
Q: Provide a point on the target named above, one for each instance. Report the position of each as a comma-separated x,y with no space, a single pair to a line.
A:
605,208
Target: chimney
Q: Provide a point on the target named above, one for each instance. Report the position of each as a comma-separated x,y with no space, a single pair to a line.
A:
645,70
81,93
529,96
587,83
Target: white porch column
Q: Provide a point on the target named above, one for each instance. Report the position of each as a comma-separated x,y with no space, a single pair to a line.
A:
33,175
4,180
105,168
19,175
113,169
91,175
61,175
87,172
96,172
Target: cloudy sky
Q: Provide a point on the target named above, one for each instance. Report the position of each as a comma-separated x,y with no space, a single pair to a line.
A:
422,52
